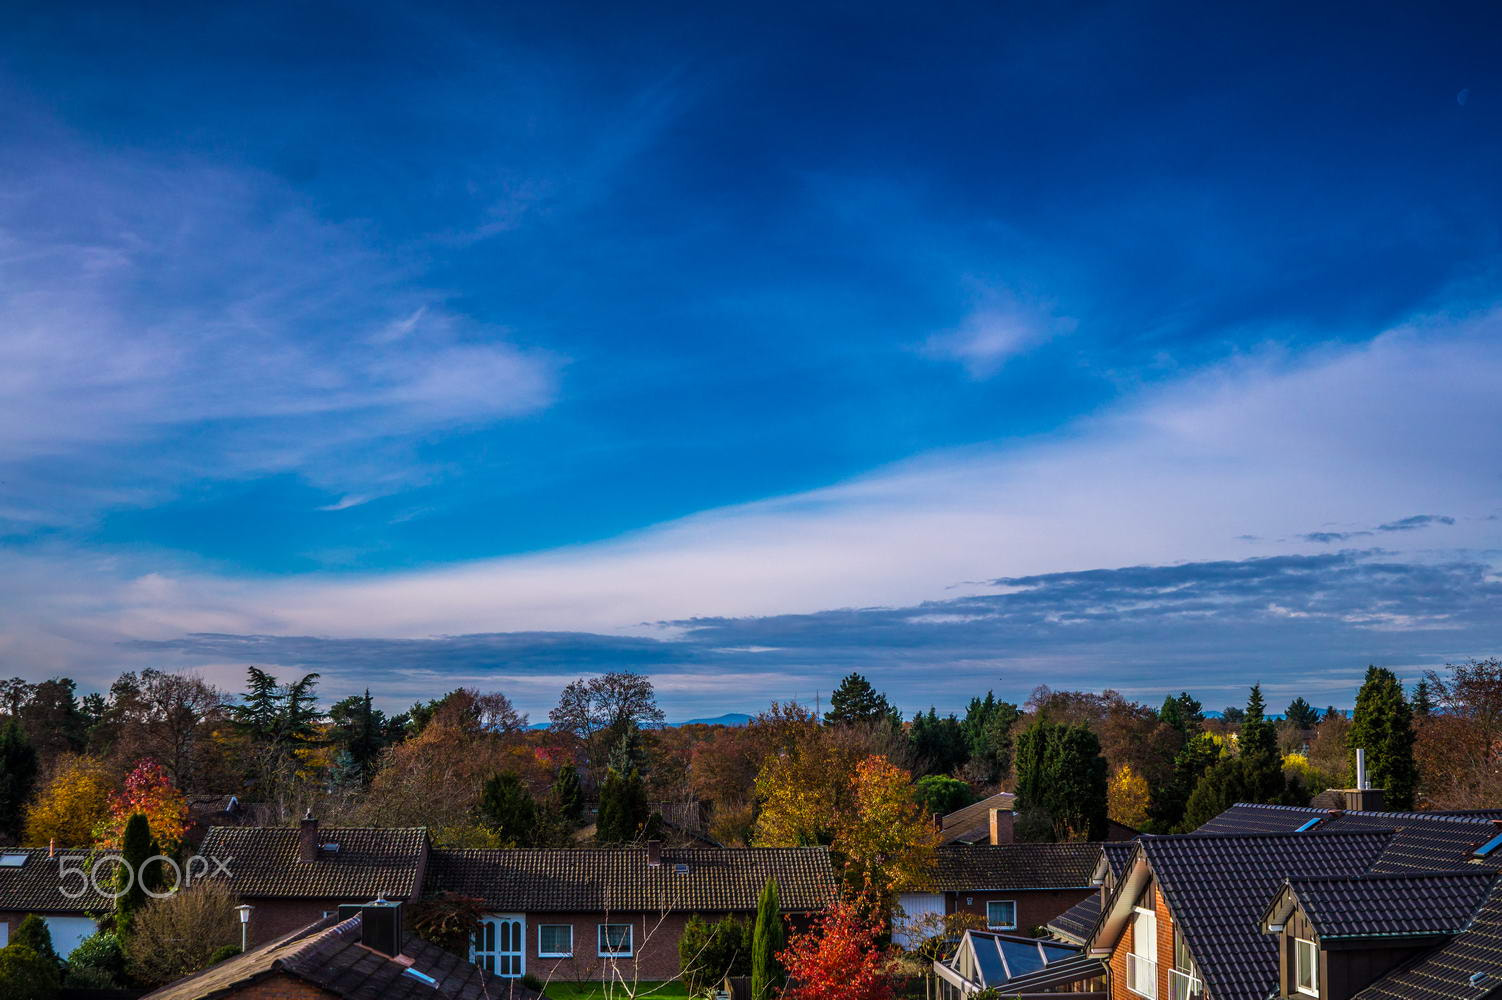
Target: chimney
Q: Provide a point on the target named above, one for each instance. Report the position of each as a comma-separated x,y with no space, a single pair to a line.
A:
380,925
1001,826
307,838
1361,782
654,853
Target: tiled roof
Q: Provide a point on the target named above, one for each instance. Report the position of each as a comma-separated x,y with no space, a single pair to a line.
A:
1392,905
1447,973
1118,854
1078,922
263,862
36,886
329,955
1423,841
964,867
621,880
972,824
1218,886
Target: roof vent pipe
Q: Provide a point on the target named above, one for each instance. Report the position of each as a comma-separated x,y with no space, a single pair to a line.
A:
1361,782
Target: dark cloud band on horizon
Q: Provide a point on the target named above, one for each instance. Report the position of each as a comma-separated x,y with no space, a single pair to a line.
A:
1301,623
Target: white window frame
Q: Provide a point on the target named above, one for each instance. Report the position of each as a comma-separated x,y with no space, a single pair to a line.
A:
1001,927
555,954
1298,954
600,951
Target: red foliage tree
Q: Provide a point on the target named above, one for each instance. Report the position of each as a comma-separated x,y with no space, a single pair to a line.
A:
838,958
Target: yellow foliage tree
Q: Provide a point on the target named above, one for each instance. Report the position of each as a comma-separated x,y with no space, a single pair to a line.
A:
71,805
1126,798
803,788
887,840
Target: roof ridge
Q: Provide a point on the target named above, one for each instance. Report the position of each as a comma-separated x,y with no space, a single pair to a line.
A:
1158,838
1445,815
1398,876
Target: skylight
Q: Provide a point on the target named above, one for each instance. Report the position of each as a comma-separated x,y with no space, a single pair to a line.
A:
1489,846
1310,825
421,977
13,860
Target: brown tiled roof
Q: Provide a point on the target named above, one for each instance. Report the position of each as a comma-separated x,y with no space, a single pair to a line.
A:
972,824
1219,885
601,880
964,867
263,862
328,954
37,885
1387,906
1451,972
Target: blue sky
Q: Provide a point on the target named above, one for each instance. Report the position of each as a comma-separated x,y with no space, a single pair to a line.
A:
747,347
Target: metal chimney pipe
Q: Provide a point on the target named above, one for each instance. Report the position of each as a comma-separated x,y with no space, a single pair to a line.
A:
1361,769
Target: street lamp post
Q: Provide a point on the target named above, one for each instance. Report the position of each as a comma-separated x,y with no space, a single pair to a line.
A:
244,910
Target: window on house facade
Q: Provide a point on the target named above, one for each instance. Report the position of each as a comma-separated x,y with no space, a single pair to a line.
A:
1001,915
1142,960
555,940
1306,966
615,941
1184,978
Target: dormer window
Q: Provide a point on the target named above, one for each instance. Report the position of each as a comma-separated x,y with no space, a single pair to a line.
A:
1306,966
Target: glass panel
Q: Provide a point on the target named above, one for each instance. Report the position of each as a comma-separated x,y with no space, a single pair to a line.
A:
555,939
1022,958
1307,965
1001,914
615,938
988,961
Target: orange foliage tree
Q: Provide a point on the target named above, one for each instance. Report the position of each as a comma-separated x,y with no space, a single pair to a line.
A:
148,789
72,805
887,840
839,958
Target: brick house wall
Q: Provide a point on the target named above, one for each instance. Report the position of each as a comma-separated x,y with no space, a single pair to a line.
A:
271,918
1035,907
1127,942
655,947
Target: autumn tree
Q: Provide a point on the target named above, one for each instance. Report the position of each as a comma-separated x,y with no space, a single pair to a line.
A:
18,774
1127,797
840,957
594,713
802,788
148,790
175,719
71,805
1383,725
885,841
178,934
1458,743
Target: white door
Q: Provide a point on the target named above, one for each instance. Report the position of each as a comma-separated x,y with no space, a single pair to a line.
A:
500,946
68,932
921,914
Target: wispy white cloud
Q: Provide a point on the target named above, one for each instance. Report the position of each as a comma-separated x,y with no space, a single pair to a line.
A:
996,332
1184,472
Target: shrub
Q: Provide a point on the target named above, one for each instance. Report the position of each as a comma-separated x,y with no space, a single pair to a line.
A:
97,963
707,953
26,975
447,919
180,934
227,952
33,934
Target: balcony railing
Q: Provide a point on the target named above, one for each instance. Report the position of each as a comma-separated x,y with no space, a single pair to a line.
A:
1142,976
1184,985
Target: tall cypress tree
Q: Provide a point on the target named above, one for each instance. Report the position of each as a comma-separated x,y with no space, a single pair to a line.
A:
568,795
767,939
18,775
1060,771
136,847
1383,726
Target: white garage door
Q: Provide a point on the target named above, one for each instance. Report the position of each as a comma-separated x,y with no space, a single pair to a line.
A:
67,932
912,926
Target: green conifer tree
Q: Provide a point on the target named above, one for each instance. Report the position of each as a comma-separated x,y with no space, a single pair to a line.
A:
1383,725
768,938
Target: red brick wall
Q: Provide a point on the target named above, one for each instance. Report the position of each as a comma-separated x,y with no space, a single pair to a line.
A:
271,918
655,937
1034,908
1164,949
